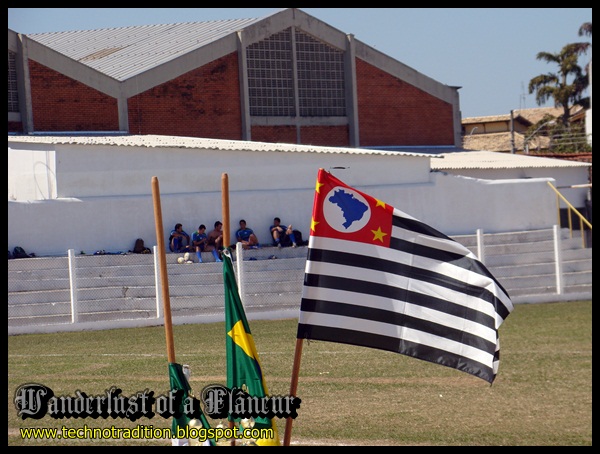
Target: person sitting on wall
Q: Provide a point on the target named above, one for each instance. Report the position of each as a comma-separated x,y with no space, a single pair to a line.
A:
214,241
176,238
199,241
282,236
246,236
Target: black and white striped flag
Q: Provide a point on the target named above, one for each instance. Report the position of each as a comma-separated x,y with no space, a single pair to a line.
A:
377,277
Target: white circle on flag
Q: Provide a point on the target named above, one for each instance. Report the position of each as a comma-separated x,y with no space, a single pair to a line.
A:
346,210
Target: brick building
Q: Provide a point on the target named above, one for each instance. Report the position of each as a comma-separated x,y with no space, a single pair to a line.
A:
287,77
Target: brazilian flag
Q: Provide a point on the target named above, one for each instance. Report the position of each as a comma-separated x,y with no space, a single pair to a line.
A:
243,366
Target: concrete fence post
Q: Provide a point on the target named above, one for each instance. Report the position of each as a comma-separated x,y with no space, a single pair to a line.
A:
157,284
480,246
240,271
558,260
73,285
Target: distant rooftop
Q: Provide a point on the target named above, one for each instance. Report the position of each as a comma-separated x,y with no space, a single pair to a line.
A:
501,141
533,115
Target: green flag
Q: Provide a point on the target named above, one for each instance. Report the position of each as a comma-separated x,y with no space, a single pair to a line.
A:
178,382
244,370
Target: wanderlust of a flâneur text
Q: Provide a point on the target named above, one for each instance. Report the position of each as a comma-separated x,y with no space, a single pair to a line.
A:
35,401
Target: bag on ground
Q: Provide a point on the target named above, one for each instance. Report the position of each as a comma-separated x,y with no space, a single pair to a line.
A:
19,253
139,247
298,237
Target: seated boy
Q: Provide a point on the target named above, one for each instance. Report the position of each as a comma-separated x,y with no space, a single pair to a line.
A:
199,240
176,239
246,236
282,236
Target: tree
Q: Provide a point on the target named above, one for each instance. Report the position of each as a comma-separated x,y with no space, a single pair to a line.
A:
586,29
569,83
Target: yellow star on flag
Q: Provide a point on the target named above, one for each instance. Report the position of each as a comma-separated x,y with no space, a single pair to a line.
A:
380,204
318,187
313,224
378,234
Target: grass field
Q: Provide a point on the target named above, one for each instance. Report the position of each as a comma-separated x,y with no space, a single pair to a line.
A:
350,395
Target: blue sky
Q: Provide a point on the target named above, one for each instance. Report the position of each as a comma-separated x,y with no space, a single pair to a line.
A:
489,52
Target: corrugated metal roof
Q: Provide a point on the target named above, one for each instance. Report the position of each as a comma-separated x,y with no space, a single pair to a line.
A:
495,160
155,141
124,52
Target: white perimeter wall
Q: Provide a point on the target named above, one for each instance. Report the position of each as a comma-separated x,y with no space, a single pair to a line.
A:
563,176
90,198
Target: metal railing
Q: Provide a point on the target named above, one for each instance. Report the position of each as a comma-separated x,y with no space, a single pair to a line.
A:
571,208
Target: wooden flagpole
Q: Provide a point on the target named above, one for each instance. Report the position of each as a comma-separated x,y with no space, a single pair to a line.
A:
225,208
293,388
164,278
225,215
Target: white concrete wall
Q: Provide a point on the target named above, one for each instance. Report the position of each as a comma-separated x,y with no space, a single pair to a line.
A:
454,205
32,173
81,171
105,201
563,176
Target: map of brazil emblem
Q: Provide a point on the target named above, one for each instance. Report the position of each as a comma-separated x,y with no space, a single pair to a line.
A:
344,213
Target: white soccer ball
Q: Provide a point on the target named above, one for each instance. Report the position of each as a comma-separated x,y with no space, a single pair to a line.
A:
186,256
180,260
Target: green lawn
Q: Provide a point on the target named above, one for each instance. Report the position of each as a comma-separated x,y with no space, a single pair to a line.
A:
350,395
